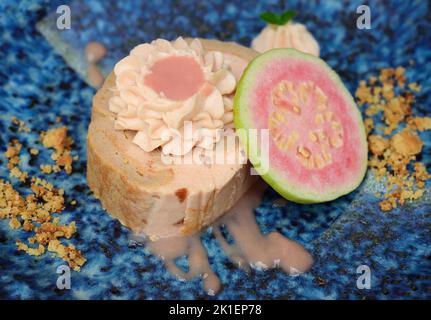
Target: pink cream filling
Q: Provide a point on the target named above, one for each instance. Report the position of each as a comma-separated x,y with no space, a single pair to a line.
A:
347,159
178,78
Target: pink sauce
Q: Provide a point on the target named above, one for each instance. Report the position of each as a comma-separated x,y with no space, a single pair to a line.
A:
169,249
251,249
178,78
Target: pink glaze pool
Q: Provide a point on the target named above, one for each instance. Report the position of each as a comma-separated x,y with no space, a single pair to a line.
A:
177,77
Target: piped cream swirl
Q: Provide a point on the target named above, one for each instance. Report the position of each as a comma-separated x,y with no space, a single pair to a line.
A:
290,35
160,119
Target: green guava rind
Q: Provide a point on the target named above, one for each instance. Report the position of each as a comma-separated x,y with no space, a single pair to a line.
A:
242,120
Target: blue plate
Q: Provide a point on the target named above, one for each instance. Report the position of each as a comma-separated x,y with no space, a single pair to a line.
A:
37,85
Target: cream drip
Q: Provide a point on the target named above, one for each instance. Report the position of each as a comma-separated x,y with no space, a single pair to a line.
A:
290,35
251,249
159,118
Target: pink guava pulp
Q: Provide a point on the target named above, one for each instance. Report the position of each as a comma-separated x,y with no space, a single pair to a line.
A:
347,160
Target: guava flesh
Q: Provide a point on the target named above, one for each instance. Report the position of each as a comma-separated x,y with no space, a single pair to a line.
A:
315,148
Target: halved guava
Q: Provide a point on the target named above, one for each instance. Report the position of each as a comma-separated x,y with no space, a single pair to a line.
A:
316,143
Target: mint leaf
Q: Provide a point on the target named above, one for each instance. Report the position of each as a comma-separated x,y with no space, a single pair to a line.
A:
270,17
273,18
287,16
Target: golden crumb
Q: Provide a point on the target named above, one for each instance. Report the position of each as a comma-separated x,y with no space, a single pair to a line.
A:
420,172
28,226
22,127
34,151
30,251
12,154
17,173
377,144
70,254
14,223
363,93
13,150
393,153
369,125
421,124
34,212
414,87
406,143
46,168
385,205
58,140
372,80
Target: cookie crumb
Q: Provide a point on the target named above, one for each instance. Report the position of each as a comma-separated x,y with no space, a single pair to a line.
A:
34,151
420,124
14,223
406,143
57,139
377,144
31,251
414,87
22,127
46,168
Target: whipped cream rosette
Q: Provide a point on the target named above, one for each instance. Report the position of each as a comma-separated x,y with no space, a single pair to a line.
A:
174,94
290,35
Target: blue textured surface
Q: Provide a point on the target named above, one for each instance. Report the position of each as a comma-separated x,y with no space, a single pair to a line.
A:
37,85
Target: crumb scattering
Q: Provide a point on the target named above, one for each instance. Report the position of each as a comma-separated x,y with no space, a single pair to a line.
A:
35,212
394,151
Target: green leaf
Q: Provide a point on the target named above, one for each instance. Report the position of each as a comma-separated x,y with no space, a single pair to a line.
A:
273,18
270,17
287,16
